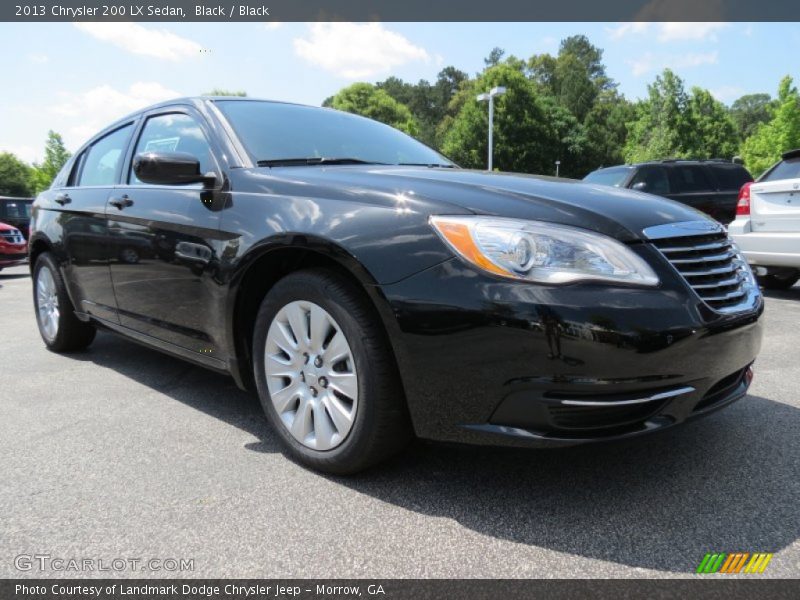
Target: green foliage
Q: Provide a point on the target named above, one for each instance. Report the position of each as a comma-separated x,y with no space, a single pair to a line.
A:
223,92
749,111
370,101
15,176
55,157
780,134
713,130
429,103
662,127
531,129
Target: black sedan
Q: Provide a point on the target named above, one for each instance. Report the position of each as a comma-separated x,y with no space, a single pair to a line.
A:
369,290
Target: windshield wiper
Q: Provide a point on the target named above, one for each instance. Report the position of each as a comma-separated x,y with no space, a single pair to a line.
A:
430,165
314,160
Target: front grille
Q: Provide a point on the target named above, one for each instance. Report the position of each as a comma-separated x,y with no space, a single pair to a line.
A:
12,237
710,265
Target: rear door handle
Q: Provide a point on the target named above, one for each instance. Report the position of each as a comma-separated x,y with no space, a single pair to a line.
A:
121,203
62,199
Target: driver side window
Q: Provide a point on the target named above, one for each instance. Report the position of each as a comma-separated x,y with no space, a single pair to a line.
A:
174,132
654,178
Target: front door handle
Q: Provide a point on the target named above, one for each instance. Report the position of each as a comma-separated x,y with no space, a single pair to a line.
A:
62,199
121,203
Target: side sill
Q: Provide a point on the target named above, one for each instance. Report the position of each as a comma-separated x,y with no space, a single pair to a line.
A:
162,346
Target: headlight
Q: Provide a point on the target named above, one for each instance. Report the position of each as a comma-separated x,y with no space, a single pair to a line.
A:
541,252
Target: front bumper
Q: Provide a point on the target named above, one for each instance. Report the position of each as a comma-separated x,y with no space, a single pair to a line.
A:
490,361
13,257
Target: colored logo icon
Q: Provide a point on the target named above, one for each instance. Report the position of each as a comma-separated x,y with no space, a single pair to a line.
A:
732,563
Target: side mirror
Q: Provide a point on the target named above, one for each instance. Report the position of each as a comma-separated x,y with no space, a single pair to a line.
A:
169,168
640,187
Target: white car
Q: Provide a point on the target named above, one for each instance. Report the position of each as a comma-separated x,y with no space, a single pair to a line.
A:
767,224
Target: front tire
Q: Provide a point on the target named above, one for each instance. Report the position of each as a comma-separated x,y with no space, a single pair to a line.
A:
60,329
325,375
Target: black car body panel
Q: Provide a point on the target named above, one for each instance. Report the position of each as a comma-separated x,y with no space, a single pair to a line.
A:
481,358
709,186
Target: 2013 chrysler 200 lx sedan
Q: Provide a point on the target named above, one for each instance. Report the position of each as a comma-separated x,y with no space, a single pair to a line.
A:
370,290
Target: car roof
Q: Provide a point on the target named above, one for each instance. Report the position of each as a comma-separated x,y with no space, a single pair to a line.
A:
715,162
197,102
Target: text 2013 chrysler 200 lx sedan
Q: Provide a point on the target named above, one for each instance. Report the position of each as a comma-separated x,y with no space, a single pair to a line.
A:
370,290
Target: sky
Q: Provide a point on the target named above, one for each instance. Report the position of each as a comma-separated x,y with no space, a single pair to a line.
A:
75,78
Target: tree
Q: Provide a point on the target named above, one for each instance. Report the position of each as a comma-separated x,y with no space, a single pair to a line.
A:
606,130
427,102
15,176
531,129
749,111
55,157
661,128
494,58
714,133
576,77
367,100
780,134
223,92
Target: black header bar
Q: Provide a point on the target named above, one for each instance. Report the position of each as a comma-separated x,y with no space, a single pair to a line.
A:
400,10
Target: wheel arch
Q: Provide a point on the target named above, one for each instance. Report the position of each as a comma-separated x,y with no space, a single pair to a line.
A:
265,264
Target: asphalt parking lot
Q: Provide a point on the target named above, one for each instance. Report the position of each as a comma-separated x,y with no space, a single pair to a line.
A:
123,452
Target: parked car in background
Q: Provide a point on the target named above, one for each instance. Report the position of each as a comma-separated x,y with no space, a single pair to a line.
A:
767,225
369,290
16,212
13,246
711,186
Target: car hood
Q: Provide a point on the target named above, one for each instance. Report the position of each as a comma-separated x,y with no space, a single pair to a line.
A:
620,213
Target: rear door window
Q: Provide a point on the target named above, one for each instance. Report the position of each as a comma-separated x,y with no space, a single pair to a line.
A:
101,165
691,178
731,178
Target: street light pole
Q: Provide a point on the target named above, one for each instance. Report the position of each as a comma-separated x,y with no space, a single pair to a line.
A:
495,91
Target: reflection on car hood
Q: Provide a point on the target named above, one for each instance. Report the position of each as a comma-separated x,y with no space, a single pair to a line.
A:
620,213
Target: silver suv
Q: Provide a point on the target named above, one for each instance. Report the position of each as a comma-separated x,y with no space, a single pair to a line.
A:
767,224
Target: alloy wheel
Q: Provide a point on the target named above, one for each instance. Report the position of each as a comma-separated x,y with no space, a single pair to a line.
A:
47,303
311,375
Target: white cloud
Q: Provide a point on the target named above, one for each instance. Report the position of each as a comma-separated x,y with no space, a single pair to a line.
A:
157,43
24,152
82,114
356,50
37,58
651,62
634,27
727,93
669,31
272,25
675,31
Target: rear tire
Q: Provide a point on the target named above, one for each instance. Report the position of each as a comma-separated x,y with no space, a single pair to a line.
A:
60,329
355,423
782,280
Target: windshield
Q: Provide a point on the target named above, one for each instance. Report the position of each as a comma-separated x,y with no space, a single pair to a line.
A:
272,131
787,169
614,176
15,209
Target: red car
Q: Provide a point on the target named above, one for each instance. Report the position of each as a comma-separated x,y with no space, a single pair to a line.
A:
13,246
